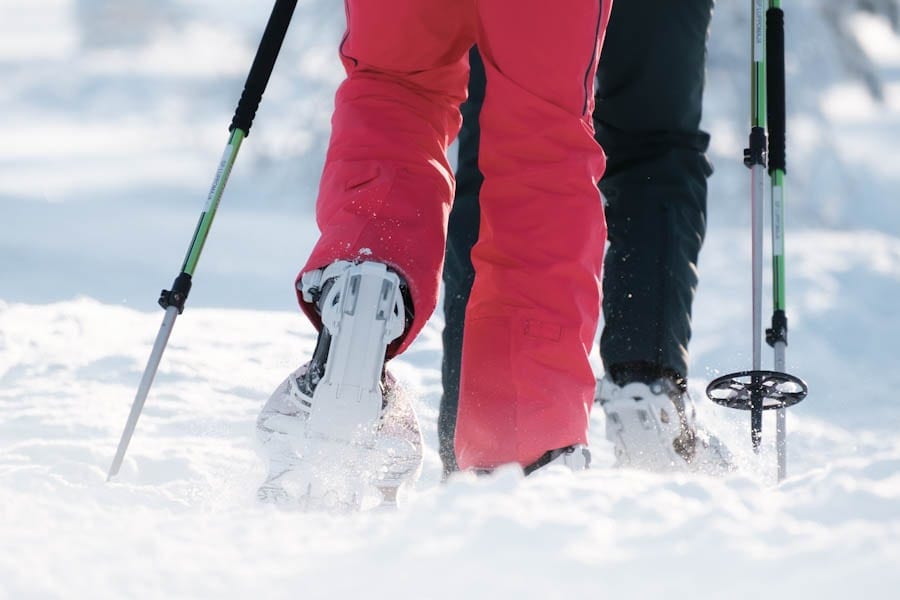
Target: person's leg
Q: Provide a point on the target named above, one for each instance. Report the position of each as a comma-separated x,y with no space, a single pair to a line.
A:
648,119
462,233
382,210
649,99
386,188
527,384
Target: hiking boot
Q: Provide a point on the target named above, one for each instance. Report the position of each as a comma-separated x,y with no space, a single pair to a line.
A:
575,458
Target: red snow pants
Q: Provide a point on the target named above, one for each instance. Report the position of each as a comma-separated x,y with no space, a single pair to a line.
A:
526,384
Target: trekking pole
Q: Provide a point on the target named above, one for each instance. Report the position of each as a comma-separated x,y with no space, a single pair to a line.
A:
173,300
758,390
776,335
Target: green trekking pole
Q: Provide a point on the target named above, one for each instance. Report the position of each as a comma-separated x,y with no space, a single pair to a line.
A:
173,300
758,390
776,335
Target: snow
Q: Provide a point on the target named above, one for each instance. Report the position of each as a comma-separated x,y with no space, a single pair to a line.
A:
115,120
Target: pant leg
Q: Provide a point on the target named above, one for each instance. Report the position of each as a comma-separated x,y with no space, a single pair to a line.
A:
642,143
459,274
527,384
650,87
386,188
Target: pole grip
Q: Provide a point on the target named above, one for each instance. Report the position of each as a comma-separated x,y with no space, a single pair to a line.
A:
776,88
263,64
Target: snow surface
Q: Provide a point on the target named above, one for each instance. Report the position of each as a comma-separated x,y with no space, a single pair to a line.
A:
115,115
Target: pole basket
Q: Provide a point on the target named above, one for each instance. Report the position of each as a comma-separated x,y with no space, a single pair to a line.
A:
757,390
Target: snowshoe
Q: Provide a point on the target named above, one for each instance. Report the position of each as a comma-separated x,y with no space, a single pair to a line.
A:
654,427
339,433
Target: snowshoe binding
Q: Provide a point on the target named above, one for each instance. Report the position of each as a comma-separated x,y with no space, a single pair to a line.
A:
339,433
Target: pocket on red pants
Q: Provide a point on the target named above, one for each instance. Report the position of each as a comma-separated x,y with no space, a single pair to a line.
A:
359,187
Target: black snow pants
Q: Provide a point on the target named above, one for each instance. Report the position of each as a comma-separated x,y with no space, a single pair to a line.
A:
647,118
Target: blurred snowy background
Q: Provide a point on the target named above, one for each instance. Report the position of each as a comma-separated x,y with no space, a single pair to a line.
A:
115,114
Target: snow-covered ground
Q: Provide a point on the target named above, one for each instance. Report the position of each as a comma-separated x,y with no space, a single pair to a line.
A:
114,117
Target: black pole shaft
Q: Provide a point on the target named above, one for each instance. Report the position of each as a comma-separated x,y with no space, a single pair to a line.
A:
756,417
263,64
775,88
756,410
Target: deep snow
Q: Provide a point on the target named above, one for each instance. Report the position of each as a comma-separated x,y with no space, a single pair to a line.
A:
115,115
